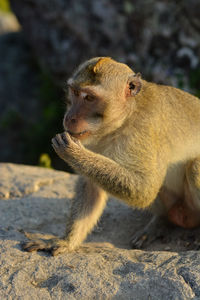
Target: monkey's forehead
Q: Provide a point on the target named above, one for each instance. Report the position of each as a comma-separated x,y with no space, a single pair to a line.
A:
95,70
82,81
101,64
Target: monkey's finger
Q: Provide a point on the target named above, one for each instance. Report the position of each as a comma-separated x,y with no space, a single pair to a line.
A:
74,139
66,137
59,139
54,143
56,148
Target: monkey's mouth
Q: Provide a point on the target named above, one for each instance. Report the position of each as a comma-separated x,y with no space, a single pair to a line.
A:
79,135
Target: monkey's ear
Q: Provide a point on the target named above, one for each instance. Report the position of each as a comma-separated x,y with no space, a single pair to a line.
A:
134,85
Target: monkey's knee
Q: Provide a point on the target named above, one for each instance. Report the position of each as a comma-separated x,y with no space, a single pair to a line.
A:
193,172
186,212
192,184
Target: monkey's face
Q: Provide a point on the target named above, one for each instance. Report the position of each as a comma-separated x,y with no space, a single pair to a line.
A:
98,99
93,112
85,111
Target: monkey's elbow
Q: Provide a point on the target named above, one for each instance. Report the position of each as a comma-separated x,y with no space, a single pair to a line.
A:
140,199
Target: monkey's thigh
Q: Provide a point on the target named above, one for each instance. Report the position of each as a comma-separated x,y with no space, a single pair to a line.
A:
186,213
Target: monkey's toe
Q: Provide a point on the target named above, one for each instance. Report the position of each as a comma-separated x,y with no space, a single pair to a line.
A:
54,246
59,250
36,245
30,246
137,242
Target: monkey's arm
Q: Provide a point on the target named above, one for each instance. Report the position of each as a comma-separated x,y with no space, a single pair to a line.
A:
86,209
137,188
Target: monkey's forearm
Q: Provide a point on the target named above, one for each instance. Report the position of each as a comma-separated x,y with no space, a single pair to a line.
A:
138,188
113,178
87,207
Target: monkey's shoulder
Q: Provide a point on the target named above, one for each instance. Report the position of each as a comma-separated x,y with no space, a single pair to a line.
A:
167,91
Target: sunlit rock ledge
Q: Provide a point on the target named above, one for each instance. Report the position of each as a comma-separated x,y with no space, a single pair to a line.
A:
37,199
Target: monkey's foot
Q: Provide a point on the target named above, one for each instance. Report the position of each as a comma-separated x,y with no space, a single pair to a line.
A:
138,240
148,234
54,245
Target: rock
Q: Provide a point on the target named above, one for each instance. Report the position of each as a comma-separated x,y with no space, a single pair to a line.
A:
8,23
104,267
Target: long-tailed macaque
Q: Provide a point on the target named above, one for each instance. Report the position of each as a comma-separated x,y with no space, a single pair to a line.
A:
136,140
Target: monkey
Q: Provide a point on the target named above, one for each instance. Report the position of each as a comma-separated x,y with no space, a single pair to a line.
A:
130,138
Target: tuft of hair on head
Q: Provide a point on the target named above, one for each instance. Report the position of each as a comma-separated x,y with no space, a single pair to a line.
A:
100,62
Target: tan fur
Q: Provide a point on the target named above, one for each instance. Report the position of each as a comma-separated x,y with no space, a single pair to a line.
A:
136,148
100,62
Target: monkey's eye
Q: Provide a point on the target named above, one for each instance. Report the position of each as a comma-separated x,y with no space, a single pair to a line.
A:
89,98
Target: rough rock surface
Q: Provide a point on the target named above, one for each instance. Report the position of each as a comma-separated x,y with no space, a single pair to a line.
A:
104,267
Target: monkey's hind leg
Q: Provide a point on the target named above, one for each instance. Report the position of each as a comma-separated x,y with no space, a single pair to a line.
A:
148,232
186,213
152,229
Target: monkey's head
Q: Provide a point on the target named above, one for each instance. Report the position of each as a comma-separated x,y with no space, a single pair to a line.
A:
101,93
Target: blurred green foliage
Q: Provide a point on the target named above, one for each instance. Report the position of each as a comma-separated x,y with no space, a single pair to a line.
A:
129,7
5,6
31,136
180,81
194,81
38,135
45,161
10,119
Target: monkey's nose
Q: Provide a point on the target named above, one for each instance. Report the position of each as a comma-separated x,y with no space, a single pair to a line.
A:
69,121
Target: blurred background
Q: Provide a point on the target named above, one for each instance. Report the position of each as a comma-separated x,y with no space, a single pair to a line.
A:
42,41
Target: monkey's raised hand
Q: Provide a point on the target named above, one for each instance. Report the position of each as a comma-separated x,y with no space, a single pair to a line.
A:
65,145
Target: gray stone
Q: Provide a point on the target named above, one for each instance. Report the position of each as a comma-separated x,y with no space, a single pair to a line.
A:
104,267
